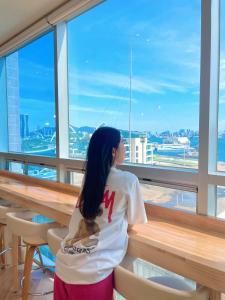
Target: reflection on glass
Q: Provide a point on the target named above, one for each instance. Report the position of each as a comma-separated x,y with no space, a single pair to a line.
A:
42,172
16,167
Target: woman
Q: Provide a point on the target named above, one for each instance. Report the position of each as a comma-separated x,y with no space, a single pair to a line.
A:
97,241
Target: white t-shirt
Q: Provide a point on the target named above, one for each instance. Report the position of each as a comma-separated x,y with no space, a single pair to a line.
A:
92,249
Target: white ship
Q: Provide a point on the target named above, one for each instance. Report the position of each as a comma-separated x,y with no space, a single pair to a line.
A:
182,143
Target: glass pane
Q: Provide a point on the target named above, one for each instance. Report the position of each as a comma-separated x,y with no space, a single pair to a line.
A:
31,97
220,213
42,172
136,67
221,124
75,178
16,167
170,198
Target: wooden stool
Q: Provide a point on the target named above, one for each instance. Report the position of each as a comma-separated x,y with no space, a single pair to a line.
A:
34,235
5,207
132,287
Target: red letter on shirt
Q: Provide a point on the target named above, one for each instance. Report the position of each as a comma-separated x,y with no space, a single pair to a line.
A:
109,201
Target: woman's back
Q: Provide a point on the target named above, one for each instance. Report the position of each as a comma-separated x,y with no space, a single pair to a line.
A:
94,247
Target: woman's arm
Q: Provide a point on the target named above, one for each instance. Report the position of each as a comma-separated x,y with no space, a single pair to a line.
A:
130,227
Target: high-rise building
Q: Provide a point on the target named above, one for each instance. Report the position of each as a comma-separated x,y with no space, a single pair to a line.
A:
12,79
138,150
24,126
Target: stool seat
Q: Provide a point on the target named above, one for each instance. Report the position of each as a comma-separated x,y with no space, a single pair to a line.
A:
20,223
8,207
132,287
55,237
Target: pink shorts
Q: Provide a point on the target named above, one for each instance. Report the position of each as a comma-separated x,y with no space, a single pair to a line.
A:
102,290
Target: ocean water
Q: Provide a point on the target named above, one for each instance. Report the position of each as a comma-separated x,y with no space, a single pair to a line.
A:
194,143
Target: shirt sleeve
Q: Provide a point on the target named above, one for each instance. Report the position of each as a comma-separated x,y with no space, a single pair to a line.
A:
136,210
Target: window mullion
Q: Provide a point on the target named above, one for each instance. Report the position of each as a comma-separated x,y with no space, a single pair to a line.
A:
62,103
209,87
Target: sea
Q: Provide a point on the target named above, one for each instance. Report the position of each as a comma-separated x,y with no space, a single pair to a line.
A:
194,144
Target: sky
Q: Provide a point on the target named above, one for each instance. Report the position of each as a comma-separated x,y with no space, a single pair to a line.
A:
140,55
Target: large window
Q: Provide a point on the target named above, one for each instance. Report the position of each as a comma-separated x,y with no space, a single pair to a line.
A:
135,67
138,72
31,98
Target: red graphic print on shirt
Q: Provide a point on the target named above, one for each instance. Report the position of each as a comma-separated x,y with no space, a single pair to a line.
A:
109,202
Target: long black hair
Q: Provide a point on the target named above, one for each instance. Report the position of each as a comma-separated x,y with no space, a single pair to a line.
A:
99,162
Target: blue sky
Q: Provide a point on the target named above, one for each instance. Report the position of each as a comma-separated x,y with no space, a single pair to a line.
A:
165,63
165,40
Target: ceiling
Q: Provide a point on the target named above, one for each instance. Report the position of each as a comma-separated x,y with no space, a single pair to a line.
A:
16,15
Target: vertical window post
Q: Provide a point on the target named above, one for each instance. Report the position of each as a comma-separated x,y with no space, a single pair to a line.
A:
62,103
4,113
209,90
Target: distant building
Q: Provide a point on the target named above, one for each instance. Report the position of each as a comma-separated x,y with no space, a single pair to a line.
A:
139,151
47,131
12,80
24,126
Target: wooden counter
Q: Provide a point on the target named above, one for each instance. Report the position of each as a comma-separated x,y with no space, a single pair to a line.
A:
185,250
56,200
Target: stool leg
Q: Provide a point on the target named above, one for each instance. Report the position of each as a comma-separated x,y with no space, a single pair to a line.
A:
2,257
3,246
15,262
214,295
20,251
41,260
27,271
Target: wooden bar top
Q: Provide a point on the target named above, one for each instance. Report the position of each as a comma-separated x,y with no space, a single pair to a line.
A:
191,253
53,202
187,251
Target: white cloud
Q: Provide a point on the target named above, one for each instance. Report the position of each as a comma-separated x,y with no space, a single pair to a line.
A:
121,81
115,80
98,94
76,108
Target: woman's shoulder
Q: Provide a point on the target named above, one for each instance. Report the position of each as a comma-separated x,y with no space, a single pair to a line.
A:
125,176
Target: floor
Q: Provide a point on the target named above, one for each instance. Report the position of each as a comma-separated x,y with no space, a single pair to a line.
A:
40,282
